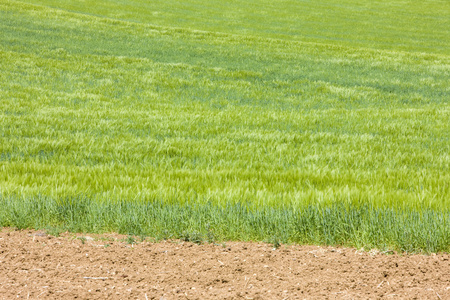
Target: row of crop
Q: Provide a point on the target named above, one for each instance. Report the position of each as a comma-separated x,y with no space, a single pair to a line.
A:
336,224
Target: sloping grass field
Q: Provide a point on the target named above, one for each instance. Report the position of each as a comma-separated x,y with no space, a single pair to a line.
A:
323,122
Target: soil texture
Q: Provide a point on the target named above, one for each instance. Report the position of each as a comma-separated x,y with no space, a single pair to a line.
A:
35,265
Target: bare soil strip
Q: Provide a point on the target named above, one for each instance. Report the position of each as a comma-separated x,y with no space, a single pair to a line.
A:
35,265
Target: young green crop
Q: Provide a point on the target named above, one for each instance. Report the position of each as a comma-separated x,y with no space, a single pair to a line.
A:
112,102
419,26
336,224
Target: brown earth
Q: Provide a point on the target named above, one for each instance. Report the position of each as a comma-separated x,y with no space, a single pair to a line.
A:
35,265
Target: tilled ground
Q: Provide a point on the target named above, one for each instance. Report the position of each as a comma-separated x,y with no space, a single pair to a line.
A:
35,265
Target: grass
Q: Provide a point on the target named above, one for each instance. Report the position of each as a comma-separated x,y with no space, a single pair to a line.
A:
338,224
167,110
421,26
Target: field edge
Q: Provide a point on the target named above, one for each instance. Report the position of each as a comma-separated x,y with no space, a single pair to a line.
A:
336,224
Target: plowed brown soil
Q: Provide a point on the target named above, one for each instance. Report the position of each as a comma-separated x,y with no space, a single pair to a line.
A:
35,265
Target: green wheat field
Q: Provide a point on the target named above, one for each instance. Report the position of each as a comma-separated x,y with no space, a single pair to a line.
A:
317,122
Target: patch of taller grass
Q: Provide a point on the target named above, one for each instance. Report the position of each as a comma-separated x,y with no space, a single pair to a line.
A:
336,224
